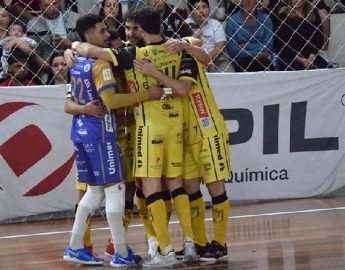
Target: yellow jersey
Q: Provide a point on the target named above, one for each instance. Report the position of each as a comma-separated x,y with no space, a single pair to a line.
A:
167,110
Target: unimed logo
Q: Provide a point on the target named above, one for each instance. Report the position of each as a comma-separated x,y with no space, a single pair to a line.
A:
26,148
271,116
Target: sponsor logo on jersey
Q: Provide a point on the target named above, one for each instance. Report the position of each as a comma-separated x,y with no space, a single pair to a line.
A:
108,123
205,122
174,115
139,142
166,106
200,105
110,158
217,144
176,164
106,74
157,141
221,166
87,68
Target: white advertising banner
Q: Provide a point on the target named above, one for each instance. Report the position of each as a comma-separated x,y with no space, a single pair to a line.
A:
287,134
36,154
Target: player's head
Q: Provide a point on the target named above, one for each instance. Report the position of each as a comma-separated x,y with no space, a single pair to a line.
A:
148,19
92,29
132,33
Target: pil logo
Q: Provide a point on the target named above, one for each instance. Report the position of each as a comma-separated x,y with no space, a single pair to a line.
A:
26,148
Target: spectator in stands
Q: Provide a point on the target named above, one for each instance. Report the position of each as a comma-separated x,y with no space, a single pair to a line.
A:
5,20
212,35
250,38
173,19
16,38
53,29
26,10
58,69
111,11
83,7
19,70
299,37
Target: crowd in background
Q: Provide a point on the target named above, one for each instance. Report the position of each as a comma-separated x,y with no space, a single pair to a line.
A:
239,35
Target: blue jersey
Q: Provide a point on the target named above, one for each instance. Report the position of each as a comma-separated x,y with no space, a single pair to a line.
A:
89,78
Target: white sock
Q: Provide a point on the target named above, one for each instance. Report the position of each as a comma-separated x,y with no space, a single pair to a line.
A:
114,208
88,204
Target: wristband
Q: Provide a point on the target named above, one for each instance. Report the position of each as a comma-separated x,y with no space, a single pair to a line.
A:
74,45
167,90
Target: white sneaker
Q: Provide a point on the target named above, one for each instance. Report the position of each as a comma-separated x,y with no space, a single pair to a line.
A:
189,252
161,261
153,246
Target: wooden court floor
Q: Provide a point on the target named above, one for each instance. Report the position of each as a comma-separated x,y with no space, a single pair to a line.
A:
289,235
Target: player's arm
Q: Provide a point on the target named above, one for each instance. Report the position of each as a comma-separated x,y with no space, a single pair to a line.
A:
192,46
181,86
105,83
91,108
119,57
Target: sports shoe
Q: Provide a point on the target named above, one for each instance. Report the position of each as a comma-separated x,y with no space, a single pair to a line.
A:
214,251
161,261
189,252
82,256
110,250
130,260
153,246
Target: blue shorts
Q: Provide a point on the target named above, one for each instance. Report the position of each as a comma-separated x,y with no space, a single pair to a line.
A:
99,163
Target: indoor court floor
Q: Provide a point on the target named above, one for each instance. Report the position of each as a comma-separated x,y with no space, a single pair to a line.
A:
286,234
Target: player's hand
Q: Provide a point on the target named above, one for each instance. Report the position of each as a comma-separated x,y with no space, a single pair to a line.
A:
69,58
92,108
145,66
155,92
176,46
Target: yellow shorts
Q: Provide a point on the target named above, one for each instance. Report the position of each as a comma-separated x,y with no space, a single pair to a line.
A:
208,159
158,151
126,142
79,185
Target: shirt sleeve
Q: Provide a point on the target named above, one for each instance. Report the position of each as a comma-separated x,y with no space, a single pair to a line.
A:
123,57
189,68
103,76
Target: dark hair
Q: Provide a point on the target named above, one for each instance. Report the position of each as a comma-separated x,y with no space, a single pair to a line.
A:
8,9
50,80
17,55
147,18
119,17
22,25
191,3
85,23
113,34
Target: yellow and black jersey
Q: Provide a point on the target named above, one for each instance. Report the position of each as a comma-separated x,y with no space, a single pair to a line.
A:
200,109
168,110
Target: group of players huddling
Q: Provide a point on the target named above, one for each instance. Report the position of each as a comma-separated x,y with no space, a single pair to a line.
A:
177,140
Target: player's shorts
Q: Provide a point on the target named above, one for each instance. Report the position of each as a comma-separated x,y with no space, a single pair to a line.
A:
209,159
99,163
79,185
158,151
126,143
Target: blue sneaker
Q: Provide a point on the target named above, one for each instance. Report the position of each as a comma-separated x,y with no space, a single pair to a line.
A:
130,260
82,256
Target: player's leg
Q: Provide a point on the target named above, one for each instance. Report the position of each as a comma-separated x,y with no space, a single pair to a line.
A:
82,187
216,149
76,252
173,172
148,165
109,172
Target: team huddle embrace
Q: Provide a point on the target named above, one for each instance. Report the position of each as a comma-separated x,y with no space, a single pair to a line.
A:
145,123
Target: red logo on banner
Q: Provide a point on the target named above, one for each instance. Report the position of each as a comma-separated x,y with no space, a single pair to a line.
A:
26,148
200,105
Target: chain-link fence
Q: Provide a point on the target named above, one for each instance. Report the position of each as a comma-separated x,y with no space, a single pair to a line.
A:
239,35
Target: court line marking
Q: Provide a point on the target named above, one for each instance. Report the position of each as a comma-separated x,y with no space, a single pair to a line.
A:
176,222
